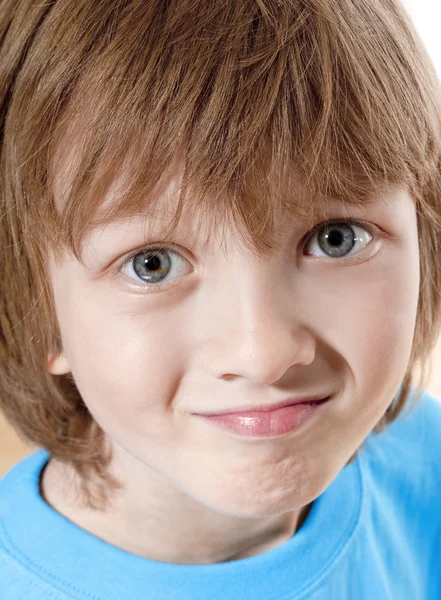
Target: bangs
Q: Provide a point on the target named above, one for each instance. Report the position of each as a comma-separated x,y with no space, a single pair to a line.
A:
262,107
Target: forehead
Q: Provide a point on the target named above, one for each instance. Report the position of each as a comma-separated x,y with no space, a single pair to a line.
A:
162,202
157,206
156,218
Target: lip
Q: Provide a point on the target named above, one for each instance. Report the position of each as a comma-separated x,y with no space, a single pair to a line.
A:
247,410
269,423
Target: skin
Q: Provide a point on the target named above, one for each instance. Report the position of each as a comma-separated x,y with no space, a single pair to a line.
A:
234,329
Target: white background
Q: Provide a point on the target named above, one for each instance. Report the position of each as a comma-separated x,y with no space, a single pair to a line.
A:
426,14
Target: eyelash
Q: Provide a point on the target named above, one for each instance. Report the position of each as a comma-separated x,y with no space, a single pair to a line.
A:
158,287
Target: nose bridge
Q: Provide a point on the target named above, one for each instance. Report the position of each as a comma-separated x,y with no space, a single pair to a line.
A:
257,331
253,289
257,297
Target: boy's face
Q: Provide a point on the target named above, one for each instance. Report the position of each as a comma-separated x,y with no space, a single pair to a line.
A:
232,330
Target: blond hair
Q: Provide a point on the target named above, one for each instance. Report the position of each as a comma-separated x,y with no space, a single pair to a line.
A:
255,96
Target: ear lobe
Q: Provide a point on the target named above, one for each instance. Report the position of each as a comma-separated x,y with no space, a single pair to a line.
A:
58,364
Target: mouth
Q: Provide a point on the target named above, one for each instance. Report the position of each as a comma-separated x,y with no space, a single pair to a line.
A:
266,423
247,410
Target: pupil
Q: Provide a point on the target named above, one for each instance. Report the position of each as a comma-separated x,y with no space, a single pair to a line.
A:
335,238
153,263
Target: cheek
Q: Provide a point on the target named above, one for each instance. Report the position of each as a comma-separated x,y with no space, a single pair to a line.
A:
375,321
126,366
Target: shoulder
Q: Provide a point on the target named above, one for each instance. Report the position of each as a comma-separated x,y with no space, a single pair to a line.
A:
18,489
405,459
417,426
27,469
418,429
401,486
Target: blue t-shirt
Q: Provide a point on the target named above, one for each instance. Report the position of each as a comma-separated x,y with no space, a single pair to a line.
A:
373,534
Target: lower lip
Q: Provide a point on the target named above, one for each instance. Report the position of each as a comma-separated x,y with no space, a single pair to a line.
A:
264,424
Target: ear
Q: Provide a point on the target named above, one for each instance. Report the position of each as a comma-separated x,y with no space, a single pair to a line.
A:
58,364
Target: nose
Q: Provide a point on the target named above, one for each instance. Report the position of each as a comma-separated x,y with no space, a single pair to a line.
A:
258,335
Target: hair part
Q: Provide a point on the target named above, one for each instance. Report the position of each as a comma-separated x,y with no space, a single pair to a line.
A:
264,106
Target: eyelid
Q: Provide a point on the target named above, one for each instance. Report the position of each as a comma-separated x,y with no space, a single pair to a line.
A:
374,230
376,233
149,248
164,245
349,221
151,288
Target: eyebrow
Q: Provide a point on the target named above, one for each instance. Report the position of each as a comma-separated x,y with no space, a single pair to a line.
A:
185,232
138,225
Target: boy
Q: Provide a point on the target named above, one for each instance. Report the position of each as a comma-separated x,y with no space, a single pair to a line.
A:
138,138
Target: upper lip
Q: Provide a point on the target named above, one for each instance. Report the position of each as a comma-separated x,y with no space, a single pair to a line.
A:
265,407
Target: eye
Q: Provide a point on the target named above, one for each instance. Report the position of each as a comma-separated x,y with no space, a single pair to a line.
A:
342,239
154,268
